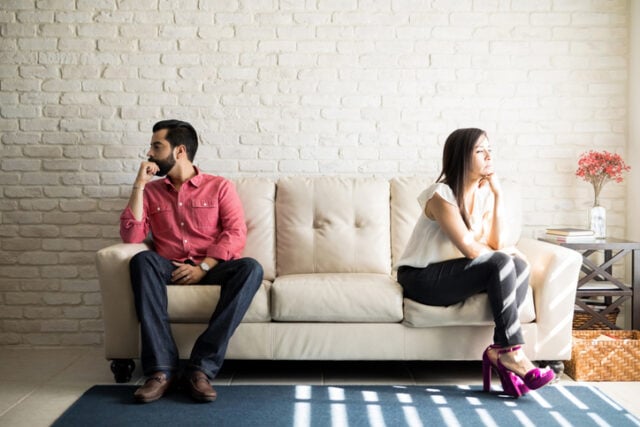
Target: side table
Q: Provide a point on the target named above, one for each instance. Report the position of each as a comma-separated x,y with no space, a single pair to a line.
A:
598,279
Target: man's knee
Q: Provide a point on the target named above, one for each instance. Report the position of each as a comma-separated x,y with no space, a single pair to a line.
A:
252,269
145,265
249,265
140,259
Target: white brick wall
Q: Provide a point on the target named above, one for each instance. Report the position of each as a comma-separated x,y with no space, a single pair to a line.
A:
633,150
280,87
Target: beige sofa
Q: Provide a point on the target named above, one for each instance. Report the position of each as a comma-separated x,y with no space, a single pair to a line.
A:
327,246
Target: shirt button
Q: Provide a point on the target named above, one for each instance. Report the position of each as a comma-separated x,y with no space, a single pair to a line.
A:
182,224
205,204
158,208
185,241
180,204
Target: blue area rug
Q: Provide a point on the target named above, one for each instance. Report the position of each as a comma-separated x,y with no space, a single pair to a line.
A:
391,406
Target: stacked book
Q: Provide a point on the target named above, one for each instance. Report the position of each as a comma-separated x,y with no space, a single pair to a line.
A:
570,235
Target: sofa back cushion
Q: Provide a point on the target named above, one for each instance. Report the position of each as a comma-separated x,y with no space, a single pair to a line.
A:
258,200
332,225
405,211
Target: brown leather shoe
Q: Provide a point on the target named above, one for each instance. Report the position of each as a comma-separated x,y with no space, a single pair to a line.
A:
154,388
200,388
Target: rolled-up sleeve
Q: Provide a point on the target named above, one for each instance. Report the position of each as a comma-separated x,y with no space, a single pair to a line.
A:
231,241
131,230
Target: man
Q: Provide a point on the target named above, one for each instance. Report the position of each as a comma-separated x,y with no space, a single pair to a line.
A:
198,229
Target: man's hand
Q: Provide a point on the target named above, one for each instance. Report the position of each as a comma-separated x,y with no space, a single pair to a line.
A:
186,274
146,172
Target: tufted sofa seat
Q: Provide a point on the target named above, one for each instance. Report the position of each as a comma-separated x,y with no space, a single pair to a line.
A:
327,246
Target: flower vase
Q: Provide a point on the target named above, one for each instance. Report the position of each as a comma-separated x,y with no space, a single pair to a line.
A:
598,221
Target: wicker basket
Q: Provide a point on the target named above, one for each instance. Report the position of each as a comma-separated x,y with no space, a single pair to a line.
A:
581,317
594,359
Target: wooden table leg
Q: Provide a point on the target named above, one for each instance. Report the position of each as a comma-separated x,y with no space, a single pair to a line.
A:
635,285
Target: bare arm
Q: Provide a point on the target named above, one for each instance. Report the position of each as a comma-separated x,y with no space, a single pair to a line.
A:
494,220
136,201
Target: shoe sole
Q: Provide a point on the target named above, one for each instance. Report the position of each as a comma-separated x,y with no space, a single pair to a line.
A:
146,400
201,398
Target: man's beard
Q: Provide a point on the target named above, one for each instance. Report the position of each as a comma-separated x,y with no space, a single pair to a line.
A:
165,164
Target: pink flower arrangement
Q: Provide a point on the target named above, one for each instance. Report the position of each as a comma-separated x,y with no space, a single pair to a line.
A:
600,167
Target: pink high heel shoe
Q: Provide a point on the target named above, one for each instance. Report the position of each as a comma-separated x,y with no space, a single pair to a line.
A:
535,378
512,384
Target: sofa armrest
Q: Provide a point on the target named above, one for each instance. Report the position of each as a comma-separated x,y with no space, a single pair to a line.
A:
121,331
554,278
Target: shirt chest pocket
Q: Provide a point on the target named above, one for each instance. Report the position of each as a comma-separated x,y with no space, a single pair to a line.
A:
204,213
160,217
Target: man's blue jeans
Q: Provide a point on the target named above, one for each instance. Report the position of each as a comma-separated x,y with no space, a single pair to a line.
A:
150,273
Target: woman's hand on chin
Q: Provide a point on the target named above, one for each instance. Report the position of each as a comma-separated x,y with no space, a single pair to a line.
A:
493,182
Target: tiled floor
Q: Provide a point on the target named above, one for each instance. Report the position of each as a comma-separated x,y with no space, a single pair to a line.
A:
36,386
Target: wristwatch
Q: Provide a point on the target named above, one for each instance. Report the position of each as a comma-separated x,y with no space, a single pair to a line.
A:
204,266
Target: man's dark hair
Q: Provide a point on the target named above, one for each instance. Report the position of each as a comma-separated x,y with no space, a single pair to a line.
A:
180,133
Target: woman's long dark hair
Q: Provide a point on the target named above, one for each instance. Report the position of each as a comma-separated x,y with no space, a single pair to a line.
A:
456,161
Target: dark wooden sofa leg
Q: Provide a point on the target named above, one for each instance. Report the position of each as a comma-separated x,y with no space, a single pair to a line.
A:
122,369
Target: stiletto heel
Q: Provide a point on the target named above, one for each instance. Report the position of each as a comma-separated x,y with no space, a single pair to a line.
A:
511,383
534,379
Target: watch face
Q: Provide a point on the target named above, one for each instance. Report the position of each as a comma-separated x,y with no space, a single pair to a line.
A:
204,266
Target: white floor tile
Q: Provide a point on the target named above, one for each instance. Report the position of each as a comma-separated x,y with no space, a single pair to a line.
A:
43,405
13,392
23,364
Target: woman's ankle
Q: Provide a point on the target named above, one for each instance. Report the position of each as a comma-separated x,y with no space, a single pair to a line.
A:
516,361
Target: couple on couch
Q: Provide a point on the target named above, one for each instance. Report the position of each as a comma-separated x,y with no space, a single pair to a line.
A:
199,233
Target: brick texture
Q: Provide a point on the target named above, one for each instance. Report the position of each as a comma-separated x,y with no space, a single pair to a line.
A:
282,87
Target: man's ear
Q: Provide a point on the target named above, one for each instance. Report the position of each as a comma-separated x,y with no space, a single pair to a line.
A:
181,151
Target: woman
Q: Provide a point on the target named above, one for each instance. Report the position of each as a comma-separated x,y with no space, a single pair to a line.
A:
454,253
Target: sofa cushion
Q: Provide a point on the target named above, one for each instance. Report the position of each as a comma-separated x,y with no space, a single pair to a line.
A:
195,304
332,225
258,200
345,297
405,211
473,311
